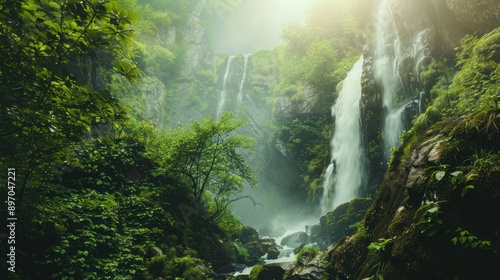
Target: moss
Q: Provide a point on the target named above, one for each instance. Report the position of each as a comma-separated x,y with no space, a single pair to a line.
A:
306,254
256,270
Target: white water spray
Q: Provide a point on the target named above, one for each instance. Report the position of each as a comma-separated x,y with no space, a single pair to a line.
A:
222,98
345,171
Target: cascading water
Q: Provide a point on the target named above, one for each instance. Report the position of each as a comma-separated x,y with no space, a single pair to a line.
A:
391,56
222,97
420,50
345,172
394,126
243,78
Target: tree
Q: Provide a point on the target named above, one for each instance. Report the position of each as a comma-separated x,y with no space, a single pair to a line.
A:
206,159
43,103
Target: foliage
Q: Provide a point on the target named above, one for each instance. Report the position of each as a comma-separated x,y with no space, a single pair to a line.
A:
457,178
175,268
429,218
473,87
382,248
90,241
308,252
47,99
466,239
307,139
206,159
256,270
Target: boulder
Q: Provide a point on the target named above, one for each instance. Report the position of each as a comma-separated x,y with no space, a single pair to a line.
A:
272,253
266,243
296,239
267,272
254,250
248,234
314,269
342,221
231,268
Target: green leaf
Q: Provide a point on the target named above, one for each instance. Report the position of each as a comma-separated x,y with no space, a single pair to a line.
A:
439,175
466,188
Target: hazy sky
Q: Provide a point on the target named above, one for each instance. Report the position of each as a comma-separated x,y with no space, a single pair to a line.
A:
256,24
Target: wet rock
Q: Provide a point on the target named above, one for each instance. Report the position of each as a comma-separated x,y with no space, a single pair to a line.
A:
265,244
273,253
268,272
231,268
254,249
342,221
297,250
248,234
313,269
296,239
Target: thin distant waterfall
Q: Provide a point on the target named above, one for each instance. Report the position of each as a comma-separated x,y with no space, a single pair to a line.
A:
222,97
345,172
243,78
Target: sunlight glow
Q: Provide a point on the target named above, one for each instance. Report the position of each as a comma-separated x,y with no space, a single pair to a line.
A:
257,24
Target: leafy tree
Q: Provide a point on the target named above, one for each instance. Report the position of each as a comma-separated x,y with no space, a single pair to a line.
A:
45,99
206,160
91,244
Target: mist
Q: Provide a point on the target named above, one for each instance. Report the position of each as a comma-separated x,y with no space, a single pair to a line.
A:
256,24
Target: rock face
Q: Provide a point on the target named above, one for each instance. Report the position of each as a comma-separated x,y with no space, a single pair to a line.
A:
309,269
476,15
425,203
435,28
154,101
340,222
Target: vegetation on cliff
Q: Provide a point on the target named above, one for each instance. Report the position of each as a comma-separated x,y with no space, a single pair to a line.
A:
425,219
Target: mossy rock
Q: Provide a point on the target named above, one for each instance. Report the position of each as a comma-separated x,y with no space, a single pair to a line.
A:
267,272
254,250
248,234
272,253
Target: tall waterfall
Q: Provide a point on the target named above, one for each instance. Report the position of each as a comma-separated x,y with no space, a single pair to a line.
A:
392,55
222,97
243,78
345,171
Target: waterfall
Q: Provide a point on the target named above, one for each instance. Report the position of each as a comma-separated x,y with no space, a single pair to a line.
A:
392,55
222,97
420,50
345,171
243,78
387,54
394,126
